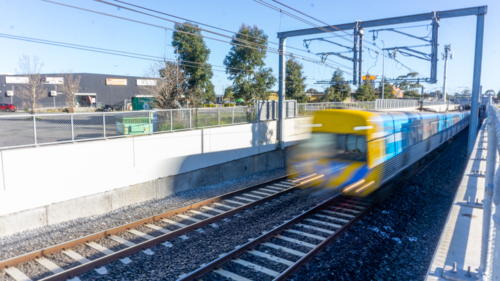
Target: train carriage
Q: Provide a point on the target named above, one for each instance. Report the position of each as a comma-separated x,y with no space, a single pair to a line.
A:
356,152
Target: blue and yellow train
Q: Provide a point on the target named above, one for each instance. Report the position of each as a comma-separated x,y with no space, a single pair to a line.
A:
355,152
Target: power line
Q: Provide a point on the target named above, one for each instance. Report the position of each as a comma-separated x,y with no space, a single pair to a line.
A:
323,29
122,53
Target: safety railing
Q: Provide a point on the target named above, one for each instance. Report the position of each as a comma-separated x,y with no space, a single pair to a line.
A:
490,250
18,130
305,109
395,103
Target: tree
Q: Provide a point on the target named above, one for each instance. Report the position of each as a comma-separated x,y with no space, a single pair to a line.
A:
388,91
167,84
70,88
339,91
193,54
498,95
245,64
365,92
295,86
438,94
409,89
32,92
229,94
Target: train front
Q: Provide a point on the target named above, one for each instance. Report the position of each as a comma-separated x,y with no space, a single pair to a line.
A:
342,153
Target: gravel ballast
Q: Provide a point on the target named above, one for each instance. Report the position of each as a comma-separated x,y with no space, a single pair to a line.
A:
397,240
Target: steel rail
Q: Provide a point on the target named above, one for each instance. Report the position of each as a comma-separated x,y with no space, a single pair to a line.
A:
199,273
140,246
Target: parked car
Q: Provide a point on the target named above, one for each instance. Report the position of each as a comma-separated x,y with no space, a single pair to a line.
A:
106,108
8,107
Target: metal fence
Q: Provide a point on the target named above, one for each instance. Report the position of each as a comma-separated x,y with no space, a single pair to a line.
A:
388,104
268,110
490,250
305,109
39,129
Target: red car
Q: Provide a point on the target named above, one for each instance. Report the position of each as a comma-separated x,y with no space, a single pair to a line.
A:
8,107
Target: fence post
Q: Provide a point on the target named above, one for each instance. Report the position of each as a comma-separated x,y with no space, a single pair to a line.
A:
171,120
190,118
150,125
218,116
72,129
104,124
233,115
34,128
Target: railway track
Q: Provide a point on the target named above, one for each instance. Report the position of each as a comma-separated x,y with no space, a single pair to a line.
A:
282,251
169,225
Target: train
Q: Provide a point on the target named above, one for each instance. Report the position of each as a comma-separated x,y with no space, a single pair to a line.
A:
355,152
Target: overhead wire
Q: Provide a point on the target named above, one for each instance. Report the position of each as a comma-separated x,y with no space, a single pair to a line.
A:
122,53
321,28
255,45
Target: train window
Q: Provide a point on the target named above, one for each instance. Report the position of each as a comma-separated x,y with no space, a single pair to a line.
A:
336,146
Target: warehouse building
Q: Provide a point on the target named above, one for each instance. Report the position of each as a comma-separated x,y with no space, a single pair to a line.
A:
95,89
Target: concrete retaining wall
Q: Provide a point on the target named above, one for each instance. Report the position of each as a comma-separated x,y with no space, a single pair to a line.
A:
51,184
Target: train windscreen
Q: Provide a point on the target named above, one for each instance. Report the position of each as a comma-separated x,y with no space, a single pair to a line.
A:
336,146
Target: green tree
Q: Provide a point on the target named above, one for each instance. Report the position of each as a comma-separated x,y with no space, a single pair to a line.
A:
253,81
339,91
229,94
194,52
295,81
410,89
388,91
365,92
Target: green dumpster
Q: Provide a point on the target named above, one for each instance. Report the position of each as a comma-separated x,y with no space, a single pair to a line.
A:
134,124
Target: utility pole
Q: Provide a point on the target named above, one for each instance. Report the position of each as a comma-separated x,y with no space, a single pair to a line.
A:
177,72
383,69
445,56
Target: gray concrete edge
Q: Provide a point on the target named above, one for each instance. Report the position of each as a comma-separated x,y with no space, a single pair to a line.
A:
108,201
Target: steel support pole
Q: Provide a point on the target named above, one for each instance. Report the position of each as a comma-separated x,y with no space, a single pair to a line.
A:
360,65
218,115
383,69
281,93
150,124
446,51
434,48
233,116
171,120
355,57
476,82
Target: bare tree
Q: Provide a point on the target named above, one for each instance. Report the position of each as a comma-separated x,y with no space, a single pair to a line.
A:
70,88
32,92
170,84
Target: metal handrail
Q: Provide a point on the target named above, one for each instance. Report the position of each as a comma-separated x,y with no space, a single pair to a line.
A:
490,249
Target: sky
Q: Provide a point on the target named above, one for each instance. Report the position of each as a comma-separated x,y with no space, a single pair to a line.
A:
48,21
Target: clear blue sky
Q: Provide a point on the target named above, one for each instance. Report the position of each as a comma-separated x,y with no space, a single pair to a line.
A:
38,19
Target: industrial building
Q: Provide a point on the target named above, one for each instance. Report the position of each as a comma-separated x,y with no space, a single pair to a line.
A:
95,89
